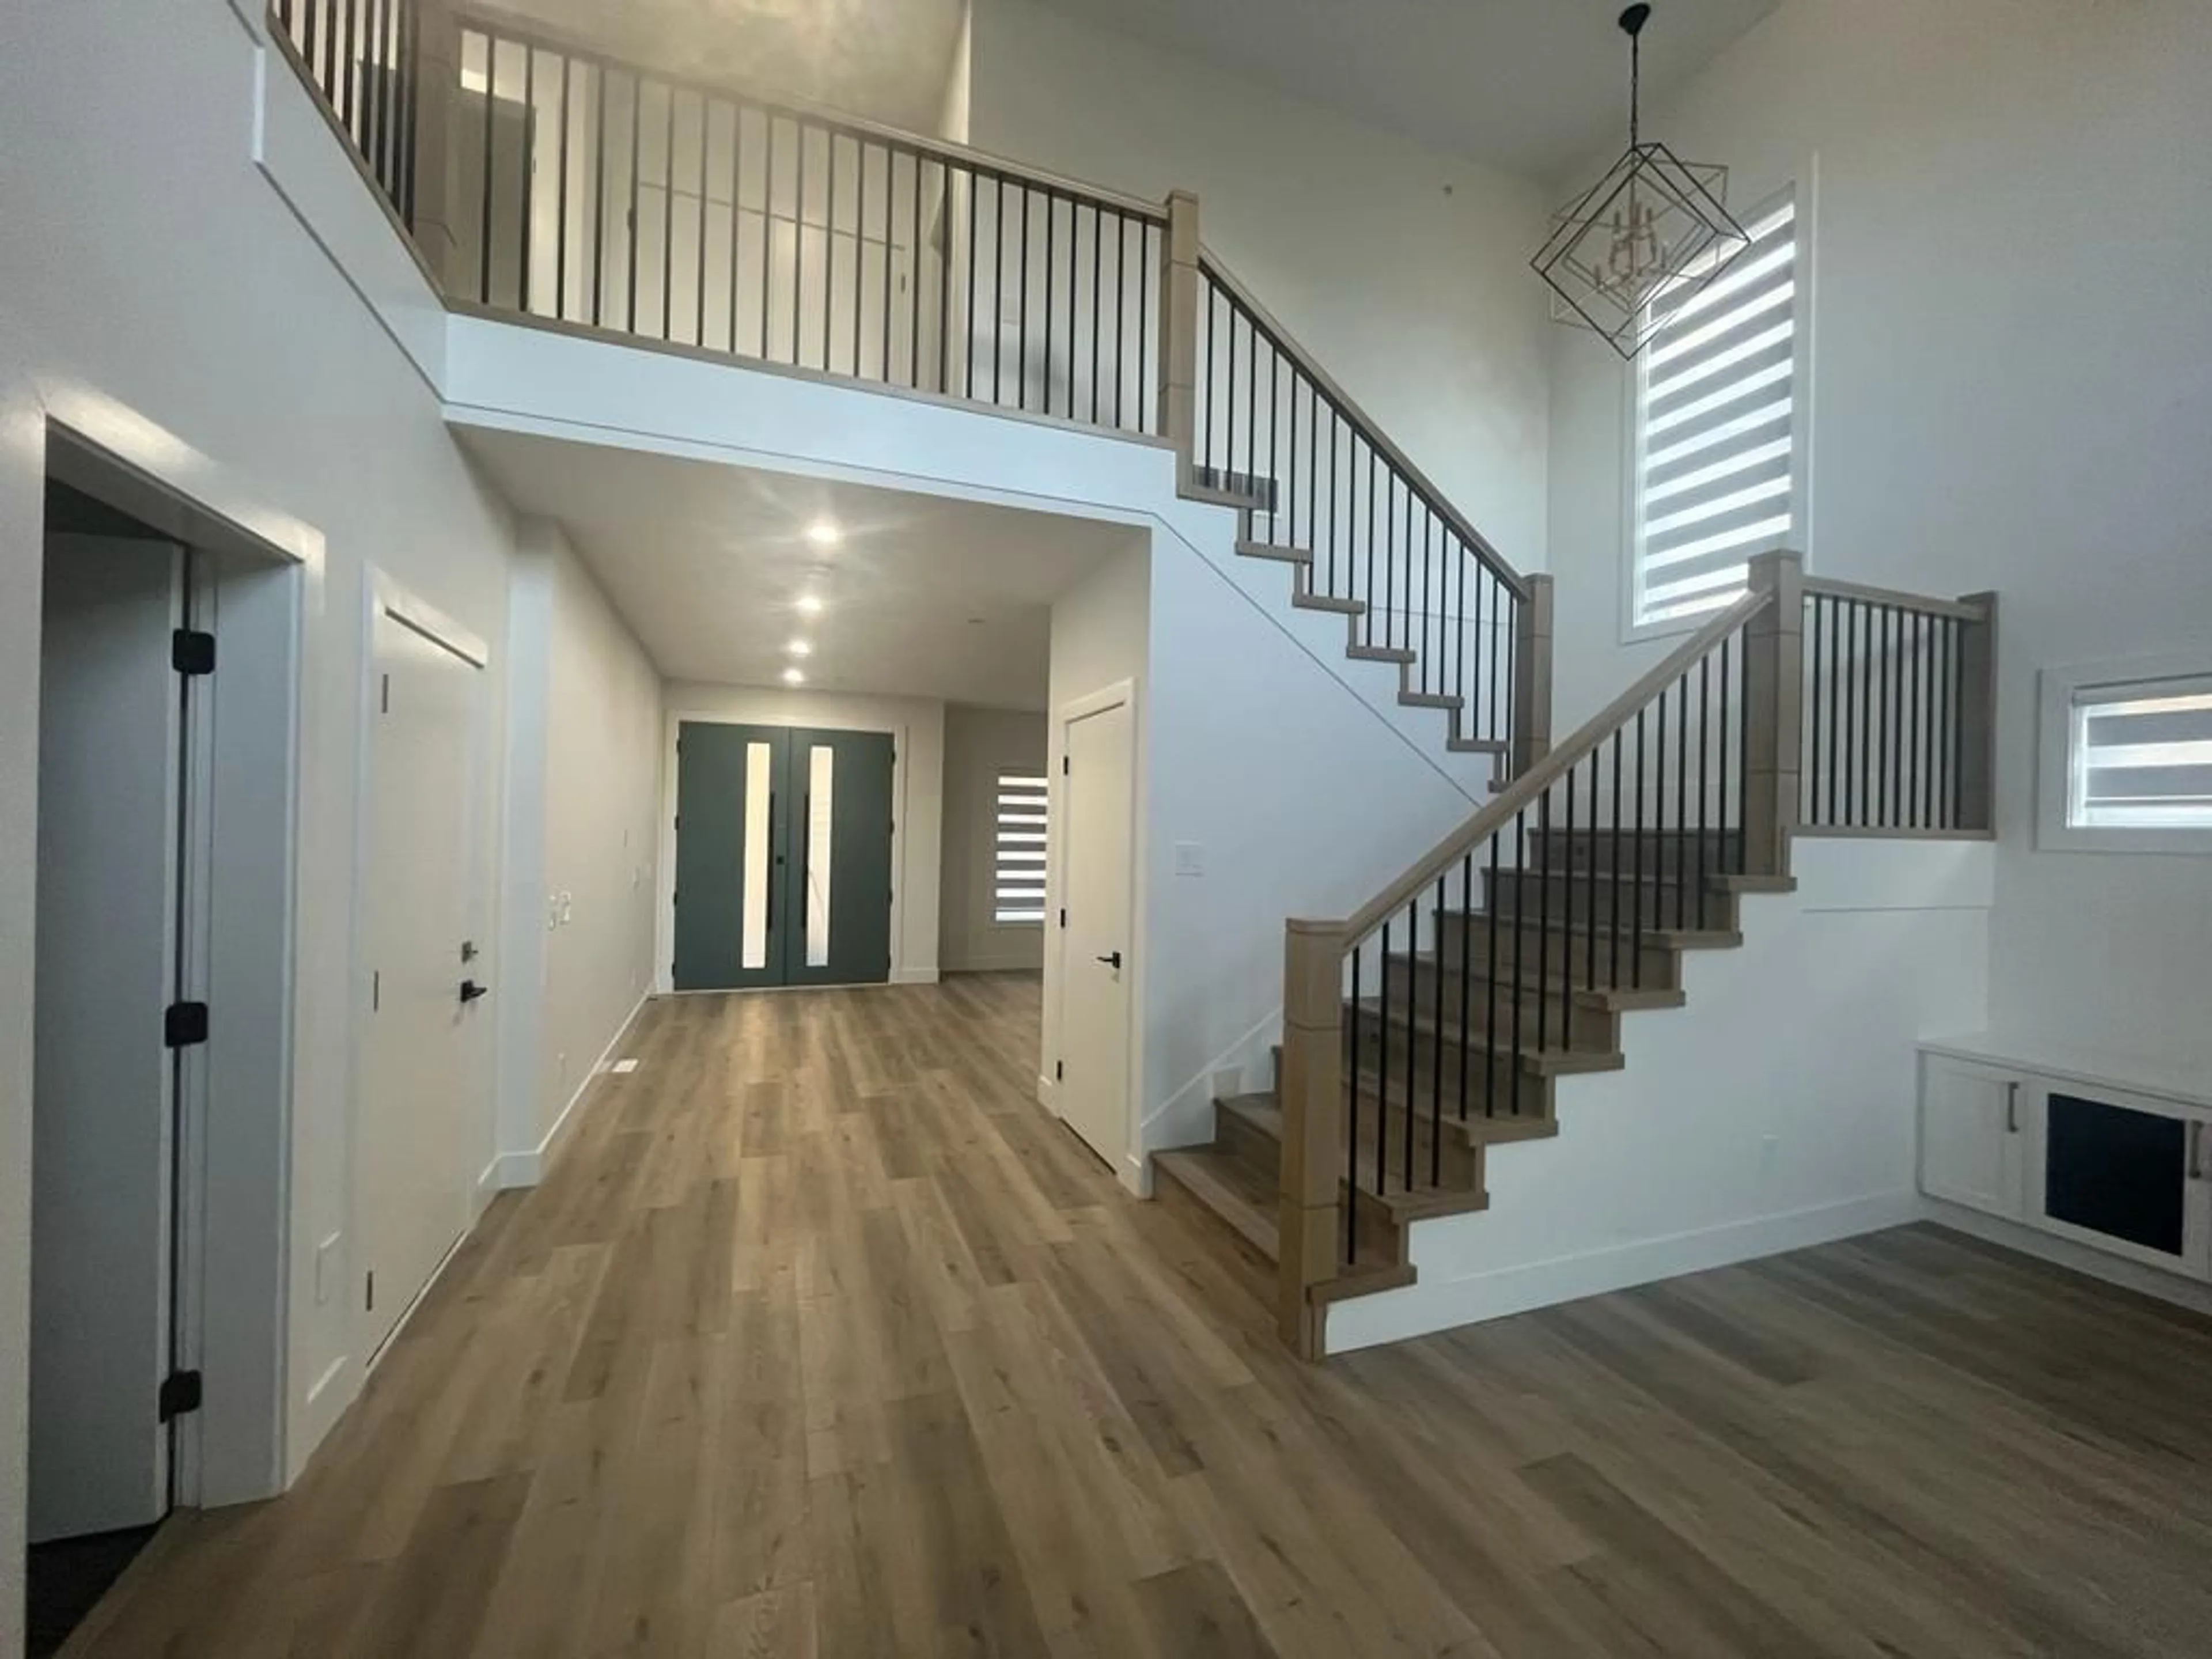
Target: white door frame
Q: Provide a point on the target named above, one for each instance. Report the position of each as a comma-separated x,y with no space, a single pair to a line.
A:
384,595
232,1252
1131,1168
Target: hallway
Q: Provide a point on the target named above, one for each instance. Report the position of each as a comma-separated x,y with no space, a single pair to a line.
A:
823,1339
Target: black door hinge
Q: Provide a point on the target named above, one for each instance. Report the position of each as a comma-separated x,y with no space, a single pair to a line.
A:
1065,766
384,696
1063,915
185,1025
179,1392
369,1296
192,651
1060,1071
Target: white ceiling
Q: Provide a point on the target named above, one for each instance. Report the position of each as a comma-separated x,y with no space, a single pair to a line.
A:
923,597
886,59
1535,86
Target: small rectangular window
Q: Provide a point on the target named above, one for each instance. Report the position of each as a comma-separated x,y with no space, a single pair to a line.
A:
2142,756
1719,401
1017,883
2127,757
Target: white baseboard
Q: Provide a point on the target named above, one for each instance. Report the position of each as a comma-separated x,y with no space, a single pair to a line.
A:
527,1168
489,1185
1424,1307
1047,1094
913,976
2081,1258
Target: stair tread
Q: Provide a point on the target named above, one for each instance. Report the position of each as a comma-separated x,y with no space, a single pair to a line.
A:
1329,602
1713,879
1282,551
1223,1182
1478,745
1396,654
1431,699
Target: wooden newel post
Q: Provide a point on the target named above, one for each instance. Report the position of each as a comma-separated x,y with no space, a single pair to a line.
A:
1978,715
436,64
1532,676
1178,365
1311,1222
1773,712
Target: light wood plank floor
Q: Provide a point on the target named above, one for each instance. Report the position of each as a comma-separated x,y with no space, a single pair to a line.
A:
822,1339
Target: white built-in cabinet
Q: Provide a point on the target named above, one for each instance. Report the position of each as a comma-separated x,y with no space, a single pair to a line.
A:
2112,1160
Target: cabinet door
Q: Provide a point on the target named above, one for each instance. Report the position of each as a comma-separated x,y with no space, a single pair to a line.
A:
2122,1171
1970,1145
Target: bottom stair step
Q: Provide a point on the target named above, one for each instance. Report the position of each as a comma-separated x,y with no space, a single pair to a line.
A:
1231,1188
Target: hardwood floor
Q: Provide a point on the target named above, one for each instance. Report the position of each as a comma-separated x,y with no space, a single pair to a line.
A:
821,1339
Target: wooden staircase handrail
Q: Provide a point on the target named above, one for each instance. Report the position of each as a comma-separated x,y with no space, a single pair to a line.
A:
1286,343
1966,610
1524,789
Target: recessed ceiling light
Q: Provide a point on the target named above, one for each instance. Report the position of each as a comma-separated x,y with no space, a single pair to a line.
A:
810,603
792,677
823,533
799,648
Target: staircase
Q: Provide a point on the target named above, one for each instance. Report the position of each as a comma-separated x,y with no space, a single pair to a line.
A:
1439,1023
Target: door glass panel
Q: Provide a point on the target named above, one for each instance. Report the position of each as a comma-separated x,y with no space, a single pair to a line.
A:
759,793
821,803
2115,1171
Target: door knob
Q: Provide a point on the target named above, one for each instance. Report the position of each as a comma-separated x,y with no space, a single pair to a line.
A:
1113,961
471,991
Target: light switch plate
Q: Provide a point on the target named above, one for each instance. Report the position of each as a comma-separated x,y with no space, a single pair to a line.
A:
1189,859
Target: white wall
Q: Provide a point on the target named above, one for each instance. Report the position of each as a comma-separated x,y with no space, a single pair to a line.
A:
2012,381
917,729
581,849
270,392
1777,1109
979,745
1403,271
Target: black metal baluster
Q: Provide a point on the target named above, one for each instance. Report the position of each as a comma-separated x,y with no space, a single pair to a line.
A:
1466,974
1413,1044
1352,1102
1329,585
999,293
1811,796
560,206
1490,989
1613,933
1120,308
1724,861
1543,926
1436,1066
1681,797
1382,1071
737,204
1658,812
1704,735
1097,300
699,322
1519,950
1074,234
311,16
1051,243
768,232
913,273
1589,892
1548,851
411,75
829,247
860,250
1022,313
1855,720
484,220
668,221
637,167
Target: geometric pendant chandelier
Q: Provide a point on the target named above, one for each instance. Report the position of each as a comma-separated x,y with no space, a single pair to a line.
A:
1654,225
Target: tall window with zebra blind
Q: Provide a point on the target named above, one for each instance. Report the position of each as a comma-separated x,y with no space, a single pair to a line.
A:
1017,867
1719,443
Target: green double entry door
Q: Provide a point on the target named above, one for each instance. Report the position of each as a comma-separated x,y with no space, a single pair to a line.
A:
783,857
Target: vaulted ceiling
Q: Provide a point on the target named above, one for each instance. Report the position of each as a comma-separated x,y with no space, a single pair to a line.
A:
886,59
1534,86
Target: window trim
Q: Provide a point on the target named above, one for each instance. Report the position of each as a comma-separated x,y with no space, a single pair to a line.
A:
1802,183
2059,692
1043,777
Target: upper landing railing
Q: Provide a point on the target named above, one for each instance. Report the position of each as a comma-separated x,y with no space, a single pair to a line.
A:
541,179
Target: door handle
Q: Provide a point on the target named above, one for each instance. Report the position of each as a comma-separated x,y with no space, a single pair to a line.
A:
471,991
1113,961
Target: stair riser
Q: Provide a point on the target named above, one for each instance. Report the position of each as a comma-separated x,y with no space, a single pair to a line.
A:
1251,1143
1663,853
1483,1071
1663,967
1575,901
1476,1005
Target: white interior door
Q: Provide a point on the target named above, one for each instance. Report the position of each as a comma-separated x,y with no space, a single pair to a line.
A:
412,1180
1098,797
102,1090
